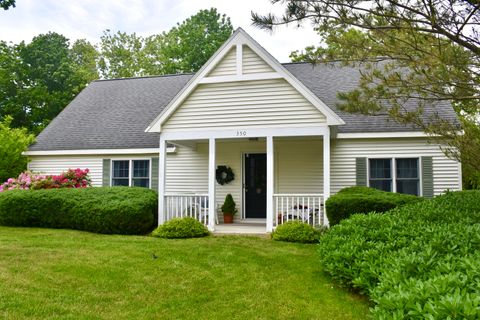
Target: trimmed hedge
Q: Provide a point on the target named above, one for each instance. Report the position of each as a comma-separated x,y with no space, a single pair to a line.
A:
353,200
181,228
419,261
296,231
117,210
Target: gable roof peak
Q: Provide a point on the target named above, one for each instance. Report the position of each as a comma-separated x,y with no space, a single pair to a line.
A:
237,40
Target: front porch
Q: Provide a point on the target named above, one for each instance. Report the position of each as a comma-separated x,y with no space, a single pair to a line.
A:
308,208
293,184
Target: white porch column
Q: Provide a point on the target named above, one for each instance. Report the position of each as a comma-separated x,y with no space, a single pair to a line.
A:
270,183
211,184
162,166
326,171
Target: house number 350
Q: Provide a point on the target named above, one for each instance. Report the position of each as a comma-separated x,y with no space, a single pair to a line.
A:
241,133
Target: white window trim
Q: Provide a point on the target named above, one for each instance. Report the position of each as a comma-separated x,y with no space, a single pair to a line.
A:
130,170
394,170
392,175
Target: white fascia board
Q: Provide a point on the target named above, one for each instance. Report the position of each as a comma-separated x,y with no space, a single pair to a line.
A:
398,134
239,38
95,152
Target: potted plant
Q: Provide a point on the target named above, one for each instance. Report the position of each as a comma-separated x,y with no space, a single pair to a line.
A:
229,209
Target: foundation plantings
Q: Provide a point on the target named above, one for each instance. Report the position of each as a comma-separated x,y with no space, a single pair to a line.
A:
229,209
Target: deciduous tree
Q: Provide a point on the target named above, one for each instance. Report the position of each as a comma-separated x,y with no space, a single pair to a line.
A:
187,46
6,4
121,55
84,56
13,141
184,48
38,79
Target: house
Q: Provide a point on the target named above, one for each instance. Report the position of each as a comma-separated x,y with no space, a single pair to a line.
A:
276,126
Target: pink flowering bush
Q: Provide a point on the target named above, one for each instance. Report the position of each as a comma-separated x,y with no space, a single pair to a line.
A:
77,178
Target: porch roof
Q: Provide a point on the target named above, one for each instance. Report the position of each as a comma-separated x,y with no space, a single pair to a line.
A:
113,114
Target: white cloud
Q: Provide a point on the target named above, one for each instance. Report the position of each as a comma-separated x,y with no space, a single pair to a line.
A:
88,18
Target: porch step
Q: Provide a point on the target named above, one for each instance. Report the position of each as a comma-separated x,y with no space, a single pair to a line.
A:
241,228
257,221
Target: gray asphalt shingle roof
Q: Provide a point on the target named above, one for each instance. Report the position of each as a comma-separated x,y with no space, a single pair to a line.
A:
113,114
326,80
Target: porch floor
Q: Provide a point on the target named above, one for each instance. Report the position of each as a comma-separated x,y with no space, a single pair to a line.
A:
240,228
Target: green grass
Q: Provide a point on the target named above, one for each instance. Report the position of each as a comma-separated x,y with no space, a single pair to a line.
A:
62,274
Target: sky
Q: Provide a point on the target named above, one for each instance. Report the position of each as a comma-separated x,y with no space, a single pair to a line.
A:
89,18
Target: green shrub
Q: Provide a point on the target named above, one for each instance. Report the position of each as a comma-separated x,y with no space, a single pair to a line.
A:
181,228
118,210
353,200
296,231
13,141
360,190
229,206
419,261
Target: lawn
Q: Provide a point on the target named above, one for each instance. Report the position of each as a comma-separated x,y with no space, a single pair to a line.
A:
46,273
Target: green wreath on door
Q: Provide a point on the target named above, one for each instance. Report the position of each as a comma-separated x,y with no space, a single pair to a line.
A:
224,175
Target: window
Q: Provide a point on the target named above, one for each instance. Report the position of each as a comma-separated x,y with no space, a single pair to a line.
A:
395,175
120,173
407,176
131,173
381,174
140,173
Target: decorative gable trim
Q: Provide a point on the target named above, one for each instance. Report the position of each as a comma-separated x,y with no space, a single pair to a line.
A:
244,77
239,39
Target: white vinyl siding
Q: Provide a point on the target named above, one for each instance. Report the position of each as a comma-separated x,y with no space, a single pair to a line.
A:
344,151
187,170
298,164
244,104
53,165
227,66
252,63
298,167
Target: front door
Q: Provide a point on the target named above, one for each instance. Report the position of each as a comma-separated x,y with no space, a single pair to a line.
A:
255,185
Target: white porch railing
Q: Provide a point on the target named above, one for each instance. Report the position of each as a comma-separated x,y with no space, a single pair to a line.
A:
287,207
300,207
182,205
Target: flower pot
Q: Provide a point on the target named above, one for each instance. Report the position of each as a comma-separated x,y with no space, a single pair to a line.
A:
228,218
